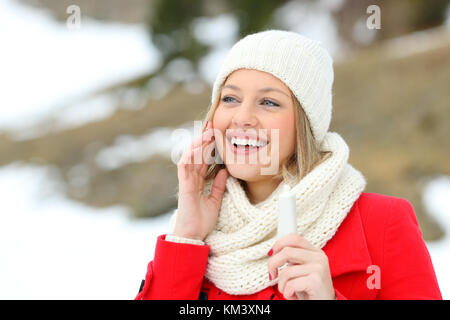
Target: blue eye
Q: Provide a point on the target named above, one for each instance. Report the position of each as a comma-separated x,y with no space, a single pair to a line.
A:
224,99
272,103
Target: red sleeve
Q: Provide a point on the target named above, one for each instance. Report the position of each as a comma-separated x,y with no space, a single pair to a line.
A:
407,271
176,272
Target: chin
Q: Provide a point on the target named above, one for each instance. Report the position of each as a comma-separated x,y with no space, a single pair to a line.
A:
246,172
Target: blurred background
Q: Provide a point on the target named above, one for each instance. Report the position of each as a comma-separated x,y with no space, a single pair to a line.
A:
92,91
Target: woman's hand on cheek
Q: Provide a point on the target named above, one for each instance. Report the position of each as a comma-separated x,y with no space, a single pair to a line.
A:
197,213
307,272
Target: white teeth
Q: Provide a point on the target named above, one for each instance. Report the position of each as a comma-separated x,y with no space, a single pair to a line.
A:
247,142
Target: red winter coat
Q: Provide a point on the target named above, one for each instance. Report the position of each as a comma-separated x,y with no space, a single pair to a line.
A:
379,235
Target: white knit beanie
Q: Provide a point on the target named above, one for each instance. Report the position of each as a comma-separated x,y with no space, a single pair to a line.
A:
301,63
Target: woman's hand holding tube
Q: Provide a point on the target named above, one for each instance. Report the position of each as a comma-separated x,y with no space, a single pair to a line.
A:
197,214
307,273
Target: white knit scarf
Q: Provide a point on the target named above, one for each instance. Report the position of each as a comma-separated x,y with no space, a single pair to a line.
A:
244,233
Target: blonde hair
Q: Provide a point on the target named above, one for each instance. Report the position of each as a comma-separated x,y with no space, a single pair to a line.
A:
307,154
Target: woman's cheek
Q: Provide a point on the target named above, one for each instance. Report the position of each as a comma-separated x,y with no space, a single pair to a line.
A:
219,119
282,139
288,144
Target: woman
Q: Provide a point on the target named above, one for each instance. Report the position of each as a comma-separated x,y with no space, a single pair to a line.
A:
269,118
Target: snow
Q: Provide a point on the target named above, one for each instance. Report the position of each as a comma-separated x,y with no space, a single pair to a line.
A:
219,32
44,64
167,142
313,20
91,109
436,197
55,248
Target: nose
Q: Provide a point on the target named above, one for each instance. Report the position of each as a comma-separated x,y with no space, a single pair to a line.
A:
245,116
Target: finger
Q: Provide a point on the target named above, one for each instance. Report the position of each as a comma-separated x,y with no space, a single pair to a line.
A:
196,157
182,171
187,154
199,150
205,137
202,155
203,170
300,285
182,165
209,130
192,157
208,152
184,156
209,125
289,255
219,184
189,157
202,173
293,240
290,272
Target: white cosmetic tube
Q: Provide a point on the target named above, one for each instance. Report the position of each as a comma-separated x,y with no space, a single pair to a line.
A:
287,218
287,221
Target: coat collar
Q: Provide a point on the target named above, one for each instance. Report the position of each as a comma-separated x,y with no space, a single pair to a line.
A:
347,251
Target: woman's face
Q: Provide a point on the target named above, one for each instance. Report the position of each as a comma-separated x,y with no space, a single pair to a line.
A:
255,124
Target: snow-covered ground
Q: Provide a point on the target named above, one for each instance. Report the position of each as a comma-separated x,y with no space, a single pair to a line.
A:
54,248
128,148
436,198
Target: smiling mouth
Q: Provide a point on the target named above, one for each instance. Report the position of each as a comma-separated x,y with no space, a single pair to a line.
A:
246,144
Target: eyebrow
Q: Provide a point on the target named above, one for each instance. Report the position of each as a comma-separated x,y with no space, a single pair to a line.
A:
230,86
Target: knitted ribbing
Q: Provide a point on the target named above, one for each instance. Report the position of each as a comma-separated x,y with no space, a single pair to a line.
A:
244,233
